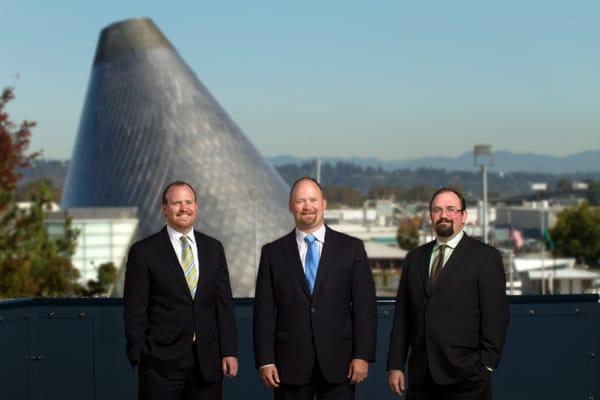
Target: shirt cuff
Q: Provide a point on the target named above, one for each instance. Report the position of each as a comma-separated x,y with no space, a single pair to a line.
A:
265,366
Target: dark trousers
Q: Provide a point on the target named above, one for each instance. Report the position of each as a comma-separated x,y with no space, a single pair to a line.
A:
476,387
185,383
317,386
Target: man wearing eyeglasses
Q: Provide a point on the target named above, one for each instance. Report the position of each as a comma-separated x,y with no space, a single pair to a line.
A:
451,311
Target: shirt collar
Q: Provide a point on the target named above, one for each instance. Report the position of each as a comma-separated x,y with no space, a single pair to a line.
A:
175,236
452,243
319,234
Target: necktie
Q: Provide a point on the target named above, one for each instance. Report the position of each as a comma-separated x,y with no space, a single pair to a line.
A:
311,262
437,266
189,265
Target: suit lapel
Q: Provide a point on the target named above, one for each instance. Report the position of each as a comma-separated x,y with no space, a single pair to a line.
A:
171,260
424,265
203,254
328,249
453,263
293,256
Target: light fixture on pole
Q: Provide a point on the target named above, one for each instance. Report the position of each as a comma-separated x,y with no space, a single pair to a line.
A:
482,157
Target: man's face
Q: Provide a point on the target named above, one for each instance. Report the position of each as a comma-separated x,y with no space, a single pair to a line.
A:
181,209
447,218
307,205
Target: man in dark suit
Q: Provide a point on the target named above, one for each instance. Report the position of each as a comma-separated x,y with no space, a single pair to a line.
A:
451,311
179,312
314,310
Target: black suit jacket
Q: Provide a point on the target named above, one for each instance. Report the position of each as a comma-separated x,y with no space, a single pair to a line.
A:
456,326
160,314
293,329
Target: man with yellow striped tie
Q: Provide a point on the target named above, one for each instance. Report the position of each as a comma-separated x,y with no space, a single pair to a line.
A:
179,312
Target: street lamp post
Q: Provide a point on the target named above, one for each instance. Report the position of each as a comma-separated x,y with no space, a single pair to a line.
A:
482,157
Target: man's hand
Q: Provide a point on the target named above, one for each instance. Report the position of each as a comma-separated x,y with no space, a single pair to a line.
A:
229,365
396,381
358,370
270,376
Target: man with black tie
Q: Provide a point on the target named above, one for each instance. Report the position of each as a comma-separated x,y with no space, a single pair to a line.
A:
451,311
314,310
178,307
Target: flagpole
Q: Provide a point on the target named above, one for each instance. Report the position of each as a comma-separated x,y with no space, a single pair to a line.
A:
510,256
510,271
543,252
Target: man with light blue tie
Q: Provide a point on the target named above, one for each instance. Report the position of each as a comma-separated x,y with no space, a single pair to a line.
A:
314,311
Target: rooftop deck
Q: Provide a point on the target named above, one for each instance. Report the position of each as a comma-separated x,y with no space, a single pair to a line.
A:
74,349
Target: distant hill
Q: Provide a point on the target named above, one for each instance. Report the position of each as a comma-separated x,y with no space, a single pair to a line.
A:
53,170
512,174
504,161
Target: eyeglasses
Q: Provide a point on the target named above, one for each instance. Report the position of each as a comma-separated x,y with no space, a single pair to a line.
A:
450,211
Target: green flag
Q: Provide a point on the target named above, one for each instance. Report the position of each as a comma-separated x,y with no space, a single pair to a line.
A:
548,239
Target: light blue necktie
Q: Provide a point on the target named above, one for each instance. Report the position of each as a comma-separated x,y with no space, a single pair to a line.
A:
311,262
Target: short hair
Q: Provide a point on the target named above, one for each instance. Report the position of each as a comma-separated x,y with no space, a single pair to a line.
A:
177,183
463,203
306,178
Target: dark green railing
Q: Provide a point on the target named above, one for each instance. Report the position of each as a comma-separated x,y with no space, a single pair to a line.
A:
74,349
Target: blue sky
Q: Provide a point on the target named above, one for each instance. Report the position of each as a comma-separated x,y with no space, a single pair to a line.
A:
386,79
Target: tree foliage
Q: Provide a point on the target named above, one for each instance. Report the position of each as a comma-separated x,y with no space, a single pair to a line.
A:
14,142
593,193
339,196
107,275
407,234
27,191
577,233
31,262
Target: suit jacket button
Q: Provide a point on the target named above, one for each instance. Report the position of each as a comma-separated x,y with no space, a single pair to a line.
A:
312,309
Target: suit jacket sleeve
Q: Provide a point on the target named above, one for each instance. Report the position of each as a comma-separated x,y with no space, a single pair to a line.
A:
264,314
225,309
494,309
135,299
364,306
399,339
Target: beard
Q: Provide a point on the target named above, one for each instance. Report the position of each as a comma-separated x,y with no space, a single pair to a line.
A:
446,230
308,218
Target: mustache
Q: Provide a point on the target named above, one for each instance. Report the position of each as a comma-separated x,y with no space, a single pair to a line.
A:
443,220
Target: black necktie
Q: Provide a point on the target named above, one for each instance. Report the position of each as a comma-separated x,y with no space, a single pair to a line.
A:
437,266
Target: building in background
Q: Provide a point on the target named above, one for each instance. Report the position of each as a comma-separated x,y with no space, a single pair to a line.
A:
104,236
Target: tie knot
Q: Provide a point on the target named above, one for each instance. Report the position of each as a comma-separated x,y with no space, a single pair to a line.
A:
184,240
442,247
310,239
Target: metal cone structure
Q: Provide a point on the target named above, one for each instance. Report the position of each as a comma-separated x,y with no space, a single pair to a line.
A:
147,121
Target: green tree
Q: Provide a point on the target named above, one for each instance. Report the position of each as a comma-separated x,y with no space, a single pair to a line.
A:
564,184
27,191
420,193
407,234
339,196
31,262
107,276
14,142
593,193
577,233
386,192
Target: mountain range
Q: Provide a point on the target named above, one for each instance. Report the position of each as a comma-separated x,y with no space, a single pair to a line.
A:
504,161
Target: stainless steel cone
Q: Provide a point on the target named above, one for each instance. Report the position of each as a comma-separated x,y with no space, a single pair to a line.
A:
147,121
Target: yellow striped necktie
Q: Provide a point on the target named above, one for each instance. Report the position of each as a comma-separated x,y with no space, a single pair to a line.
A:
188,265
